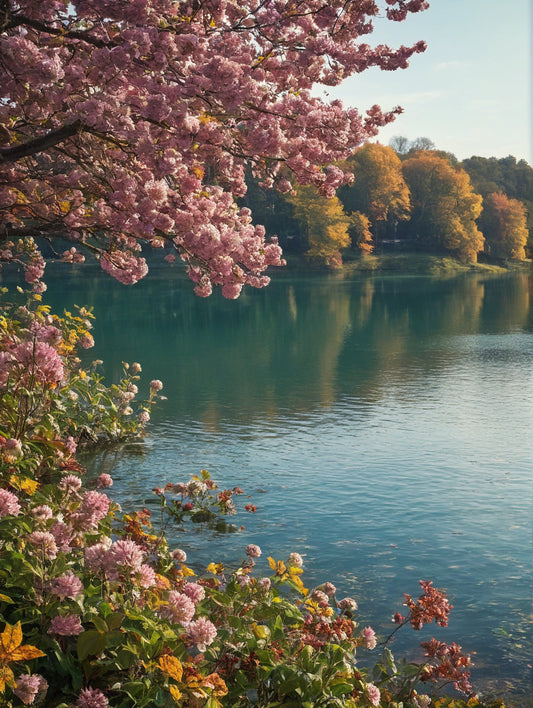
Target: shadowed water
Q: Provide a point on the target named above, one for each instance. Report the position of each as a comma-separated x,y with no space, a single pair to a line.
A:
382,425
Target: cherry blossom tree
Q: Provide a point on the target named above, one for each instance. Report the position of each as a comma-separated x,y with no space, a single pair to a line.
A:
126,123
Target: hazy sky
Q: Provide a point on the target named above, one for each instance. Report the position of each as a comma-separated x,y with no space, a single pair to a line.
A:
470,92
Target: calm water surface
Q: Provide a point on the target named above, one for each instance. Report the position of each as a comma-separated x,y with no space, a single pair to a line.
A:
383,426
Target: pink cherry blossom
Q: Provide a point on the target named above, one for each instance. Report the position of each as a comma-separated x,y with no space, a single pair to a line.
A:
144,136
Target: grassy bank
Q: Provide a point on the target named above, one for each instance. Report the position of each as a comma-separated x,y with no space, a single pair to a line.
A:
409,264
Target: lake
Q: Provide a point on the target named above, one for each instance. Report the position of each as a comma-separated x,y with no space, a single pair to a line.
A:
382,425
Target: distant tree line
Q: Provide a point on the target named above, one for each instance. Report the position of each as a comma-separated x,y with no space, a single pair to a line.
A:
407,196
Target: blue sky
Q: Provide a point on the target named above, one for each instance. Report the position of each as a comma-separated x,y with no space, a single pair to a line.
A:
470,92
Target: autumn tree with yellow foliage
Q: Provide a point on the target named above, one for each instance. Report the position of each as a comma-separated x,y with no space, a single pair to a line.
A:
325,224
379,191
504,226
444,206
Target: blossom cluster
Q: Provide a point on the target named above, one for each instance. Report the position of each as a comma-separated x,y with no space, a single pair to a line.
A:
125,124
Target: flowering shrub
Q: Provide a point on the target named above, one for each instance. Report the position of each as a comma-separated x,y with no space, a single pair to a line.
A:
48,399
97,609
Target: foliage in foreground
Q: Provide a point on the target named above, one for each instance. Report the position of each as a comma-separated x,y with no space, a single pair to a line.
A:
98,610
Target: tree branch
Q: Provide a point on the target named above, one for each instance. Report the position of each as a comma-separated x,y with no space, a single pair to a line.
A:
21,20
32,147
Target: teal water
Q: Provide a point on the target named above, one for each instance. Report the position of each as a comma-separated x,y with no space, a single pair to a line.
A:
382,425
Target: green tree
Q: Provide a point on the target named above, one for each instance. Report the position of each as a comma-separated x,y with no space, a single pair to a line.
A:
325,223
504,226
445,206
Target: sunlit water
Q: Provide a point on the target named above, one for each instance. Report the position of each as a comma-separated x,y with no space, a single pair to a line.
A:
382,425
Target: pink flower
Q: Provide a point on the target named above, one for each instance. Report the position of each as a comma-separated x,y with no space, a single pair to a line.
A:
86,341
156,385
63,535
70,483
243,580
72,256
44,542
93,508
12,449
104,480
42,512
125,552
369,638
146,576
348,603
373,693
431,605
124,266
265,584
95,556
30,689
9,504
67,626
296,559
178,555
91,698
253,551
70,445
194,591
41,360
329,589
201,632
180,608
67,585
144,417
320,597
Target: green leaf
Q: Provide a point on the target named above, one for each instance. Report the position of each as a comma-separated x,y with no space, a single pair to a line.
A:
90,643
115,620
389,660
339,689
126,658
100,624
277,628
105,609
